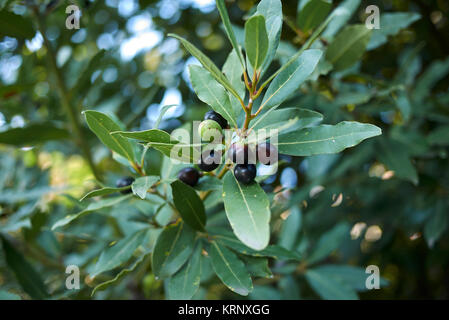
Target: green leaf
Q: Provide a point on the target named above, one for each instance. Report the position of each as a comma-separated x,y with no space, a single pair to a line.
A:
248,211
229,31
104,203
436,225
340,16
185,283
228,239
262,292
312,13
141,185
120,252
325,139
164,109
233,71
230,269
102,125
28,278
103,192
163,142
207,64
209,183
354,277
275,119
329,288
189,205
120,275
211,92
257,267
33,133
329,242
293,59
272,11
348,46
290,78
390,25
256,40
16,26
172,249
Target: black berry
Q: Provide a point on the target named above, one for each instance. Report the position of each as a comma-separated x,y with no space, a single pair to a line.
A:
212,115
189,176
267,153
245,173
242,154
210,160
124,182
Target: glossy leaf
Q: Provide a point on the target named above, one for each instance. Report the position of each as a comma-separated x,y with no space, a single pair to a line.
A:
209,183
94,206
275,119
211,92
120,252
141,185
312,13
248,211
348,46
207,64
257,267
340,16
102,125
329,288
172,249
256,40
102,286
325,139
233,71
162,112
189,205
273,251
229,30
161,141
272,12
185,283
103,192
230,269
289,80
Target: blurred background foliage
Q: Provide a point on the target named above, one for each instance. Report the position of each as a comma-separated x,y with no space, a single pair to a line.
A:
384,202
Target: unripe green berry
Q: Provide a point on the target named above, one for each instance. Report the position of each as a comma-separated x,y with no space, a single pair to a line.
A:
210,130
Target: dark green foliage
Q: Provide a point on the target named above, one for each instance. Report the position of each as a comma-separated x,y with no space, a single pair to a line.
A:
362,177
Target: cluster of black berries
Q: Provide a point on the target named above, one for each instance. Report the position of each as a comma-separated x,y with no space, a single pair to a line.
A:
243,155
